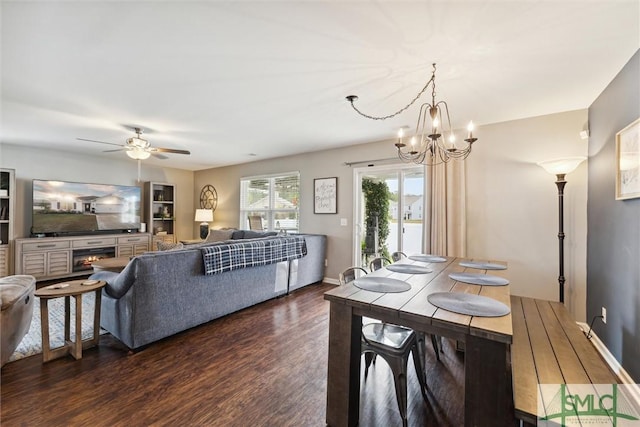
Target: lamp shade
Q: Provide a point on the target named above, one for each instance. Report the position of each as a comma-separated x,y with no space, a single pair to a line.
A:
138,153
204,215
561,166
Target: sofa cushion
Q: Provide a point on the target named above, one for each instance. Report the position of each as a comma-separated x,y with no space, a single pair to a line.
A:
237,234
218,235
250,234
169,246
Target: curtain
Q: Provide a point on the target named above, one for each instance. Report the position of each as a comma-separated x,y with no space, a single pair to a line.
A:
446,222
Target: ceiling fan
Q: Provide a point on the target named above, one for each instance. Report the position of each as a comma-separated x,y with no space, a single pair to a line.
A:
138,148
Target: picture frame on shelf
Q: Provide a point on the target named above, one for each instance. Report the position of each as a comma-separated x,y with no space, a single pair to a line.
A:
628,162
325,195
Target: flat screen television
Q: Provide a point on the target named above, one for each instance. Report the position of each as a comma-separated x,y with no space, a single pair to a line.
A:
75,208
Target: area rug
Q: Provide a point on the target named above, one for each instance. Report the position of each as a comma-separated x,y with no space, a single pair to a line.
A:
32,342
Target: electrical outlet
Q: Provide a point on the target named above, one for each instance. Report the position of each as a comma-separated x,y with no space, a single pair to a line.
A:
604,315
326,262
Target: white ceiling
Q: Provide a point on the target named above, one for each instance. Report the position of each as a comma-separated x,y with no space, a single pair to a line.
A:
227,79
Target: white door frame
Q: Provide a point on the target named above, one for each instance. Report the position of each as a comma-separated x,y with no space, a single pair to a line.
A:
357,202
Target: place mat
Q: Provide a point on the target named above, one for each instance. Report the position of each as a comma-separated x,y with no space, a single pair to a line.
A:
469,304
479,279
408,269
381,284
483,265
427,258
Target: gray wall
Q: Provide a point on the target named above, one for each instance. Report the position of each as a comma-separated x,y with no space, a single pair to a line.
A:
613,244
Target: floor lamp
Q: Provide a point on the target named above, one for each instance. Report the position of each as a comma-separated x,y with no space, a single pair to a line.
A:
560,168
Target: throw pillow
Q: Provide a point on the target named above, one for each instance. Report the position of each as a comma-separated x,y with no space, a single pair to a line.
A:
219,235
169,246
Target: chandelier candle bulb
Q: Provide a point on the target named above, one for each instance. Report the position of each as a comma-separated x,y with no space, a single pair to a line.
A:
452,141
400,144
470,129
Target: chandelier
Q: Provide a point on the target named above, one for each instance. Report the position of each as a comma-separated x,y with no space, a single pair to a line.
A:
427,145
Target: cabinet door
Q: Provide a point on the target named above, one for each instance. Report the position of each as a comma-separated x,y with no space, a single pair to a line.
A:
59,263
140,249
34,264
125,250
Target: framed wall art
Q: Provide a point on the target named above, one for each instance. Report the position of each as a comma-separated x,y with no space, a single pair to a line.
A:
628,162
325,195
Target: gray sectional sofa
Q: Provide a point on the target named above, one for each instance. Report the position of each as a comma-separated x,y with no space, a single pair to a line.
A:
162,293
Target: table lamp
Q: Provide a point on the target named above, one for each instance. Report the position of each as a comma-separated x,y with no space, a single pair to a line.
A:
205,216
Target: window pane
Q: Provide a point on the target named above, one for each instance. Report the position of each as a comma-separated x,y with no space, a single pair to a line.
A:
286,221
274,198
255,194
287,191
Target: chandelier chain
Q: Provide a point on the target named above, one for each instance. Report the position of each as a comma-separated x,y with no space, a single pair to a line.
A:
424,89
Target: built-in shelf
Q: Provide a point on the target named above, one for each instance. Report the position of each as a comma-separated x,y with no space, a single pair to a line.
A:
7,216
160,199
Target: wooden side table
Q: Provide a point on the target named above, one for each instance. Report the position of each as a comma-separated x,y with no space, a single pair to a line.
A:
111,264
73,288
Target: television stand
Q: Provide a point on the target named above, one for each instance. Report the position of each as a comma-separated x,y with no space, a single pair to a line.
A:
49,258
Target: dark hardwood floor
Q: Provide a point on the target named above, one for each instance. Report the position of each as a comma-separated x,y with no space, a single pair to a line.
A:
263,366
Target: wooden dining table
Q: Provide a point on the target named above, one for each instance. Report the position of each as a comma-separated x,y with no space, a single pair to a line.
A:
486,339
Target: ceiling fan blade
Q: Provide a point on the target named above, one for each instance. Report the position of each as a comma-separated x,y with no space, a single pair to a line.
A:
159,156
112,151
170,150
100,142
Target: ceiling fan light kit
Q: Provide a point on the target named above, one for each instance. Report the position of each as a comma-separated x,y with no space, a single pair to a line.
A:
138,153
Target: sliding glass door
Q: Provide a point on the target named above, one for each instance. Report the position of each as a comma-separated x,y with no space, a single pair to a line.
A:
389,211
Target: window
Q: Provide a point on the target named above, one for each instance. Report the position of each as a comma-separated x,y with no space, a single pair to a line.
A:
272,197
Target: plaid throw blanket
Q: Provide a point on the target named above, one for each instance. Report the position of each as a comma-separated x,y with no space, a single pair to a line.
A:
250,253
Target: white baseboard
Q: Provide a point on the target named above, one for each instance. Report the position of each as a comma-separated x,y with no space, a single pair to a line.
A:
622,374
331,281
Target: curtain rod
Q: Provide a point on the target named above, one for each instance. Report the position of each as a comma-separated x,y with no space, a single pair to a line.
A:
372,162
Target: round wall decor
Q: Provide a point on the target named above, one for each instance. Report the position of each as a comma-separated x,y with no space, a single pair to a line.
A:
209,197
